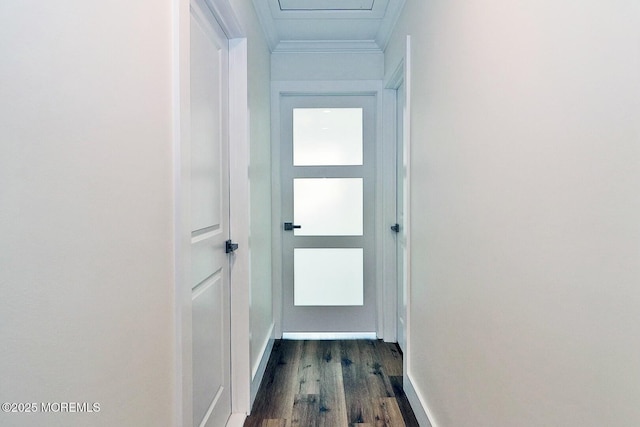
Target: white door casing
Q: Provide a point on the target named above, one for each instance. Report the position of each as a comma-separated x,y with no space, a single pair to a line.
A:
400,83
401,222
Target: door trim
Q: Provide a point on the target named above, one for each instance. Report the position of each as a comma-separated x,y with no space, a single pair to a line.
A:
402,74
329,336
227,18
391,142
239,225
281,89
390,280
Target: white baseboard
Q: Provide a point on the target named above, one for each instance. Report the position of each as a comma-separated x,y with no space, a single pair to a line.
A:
236,420
329,336
420,409
256,377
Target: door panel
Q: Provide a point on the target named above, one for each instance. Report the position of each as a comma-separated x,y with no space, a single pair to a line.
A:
209,221
327,165
208,324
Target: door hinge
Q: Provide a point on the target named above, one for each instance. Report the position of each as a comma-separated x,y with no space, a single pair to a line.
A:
396,228
230,247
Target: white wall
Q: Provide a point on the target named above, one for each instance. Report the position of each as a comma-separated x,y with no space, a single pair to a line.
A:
86,210
525,206
291,66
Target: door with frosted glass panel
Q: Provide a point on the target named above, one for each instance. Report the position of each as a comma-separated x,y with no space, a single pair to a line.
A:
327,165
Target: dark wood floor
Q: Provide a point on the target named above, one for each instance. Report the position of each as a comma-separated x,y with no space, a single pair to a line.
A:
332,384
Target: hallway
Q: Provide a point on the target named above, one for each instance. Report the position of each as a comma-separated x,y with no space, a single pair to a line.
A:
333,384
513,128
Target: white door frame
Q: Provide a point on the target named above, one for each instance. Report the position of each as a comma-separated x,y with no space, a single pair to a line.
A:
239,225
322,87
398,77
402,74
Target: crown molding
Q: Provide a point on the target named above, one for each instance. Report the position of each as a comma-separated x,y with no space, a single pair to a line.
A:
327,46
270,17
376,12
267,23
301,5
389,22
226,17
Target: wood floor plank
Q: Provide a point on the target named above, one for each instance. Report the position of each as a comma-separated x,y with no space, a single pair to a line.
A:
306,408
409,416
357,398
275,423
330,350
390,356
281,379
377,380
387,413
309,368
333,407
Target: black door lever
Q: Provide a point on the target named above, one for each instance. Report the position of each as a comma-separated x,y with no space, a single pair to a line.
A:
230,247
288,226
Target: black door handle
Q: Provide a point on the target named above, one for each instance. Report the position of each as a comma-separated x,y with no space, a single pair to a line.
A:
230,247
288,226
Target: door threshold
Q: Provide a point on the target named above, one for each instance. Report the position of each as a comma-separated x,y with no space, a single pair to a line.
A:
329,336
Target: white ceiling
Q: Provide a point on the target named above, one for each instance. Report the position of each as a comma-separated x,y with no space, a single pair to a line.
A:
328,25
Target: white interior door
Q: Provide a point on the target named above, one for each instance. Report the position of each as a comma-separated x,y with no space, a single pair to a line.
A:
328,178
401,226
209,207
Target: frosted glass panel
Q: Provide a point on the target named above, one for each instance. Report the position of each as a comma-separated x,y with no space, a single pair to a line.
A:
327,136
328,276
328,206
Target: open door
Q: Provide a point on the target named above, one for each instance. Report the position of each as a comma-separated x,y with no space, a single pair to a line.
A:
209,188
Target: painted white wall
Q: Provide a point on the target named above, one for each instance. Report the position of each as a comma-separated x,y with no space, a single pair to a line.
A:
525,204
291,66
86,210
259,58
